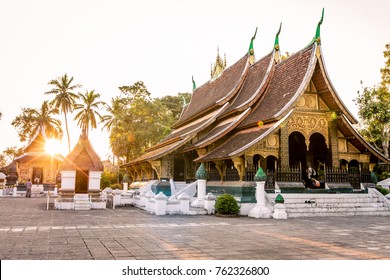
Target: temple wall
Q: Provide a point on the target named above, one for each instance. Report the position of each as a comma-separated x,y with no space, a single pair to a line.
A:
25,171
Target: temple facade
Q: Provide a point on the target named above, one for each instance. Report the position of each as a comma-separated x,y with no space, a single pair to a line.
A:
36,164
283,115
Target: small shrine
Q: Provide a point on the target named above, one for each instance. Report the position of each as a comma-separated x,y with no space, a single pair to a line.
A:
36,164
80,178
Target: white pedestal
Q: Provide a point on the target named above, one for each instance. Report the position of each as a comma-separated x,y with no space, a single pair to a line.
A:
199,201
260,210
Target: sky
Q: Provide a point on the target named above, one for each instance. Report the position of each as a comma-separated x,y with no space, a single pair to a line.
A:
105,44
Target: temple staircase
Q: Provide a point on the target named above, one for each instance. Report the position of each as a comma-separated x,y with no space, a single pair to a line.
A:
314,205
82,202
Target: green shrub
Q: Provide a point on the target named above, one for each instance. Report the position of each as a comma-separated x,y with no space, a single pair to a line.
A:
383,190
226,204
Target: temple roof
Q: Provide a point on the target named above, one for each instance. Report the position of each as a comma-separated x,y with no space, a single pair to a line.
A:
247,93
215,92
288,82
241,141
356,139
37,147
82,157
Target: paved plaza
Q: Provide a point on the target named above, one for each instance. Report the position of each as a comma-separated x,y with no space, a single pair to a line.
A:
29,231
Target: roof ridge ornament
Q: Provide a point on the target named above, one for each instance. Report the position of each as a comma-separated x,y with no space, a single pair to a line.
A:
276,45
318,30
193,84
251,51
218,67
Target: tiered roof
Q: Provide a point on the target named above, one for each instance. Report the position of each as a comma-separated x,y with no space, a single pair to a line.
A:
82,157
247,93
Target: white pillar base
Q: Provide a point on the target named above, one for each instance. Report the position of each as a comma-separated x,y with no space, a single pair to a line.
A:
279,211
260,211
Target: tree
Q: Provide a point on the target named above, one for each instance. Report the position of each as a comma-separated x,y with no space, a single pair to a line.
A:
28,122
374,109
9,155
175,103
86,116
136,121
64,99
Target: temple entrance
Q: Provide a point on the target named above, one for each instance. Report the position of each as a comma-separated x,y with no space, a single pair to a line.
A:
297,150
37,176
178,169
318,151
81,181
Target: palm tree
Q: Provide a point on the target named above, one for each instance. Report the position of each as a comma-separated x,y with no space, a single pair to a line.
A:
32,119
111,119
86,117
64,99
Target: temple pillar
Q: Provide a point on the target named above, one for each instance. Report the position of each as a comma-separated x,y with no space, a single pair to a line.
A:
156,165
334,144
239,164
284,151
221,167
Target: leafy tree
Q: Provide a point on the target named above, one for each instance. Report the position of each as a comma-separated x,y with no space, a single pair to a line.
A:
175,103
136,121
86,116
64,99
9,154
28,122
374,109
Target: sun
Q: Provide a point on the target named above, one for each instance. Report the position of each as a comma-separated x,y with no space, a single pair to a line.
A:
53,146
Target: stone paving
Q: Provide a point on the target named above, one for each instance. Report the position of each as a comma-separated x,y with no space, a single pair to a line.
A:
29,231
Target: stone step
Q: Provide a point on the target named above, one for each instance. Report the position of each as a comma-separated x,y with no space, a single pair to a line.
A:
197,211
329,214
337,209
333,205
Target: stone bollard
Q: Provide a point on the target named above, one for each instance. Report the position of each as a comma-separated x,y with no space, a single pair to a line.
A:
209,203
201,176
161,204
149,205
184,200
125,187
279,211
260,210
142,199
15,191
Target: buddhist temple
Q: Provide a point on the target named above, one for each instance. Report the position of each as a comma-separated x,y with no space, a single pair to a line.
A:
80,178
36,163
283,115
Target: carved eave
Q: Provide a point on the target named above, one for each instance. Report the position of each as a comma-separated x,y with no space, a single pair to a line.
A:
357,140
333,92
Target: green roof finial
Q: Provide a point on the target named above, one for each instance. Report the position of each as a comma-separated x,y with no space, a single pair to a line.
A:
318,30
201,172
193,84
251,51
260,175
279,199
276,45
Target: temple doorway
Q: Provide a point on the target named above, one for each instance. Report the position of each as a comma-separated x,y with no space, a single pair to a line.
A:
297,150
81,181
178,169
37,176
318,151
